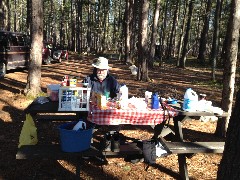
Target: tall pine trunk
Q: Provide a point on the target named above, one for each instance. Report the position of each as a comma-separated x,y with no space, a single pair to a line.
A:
214,51
203,39
143,37
154,33
186,37
230,163
230,66
33,87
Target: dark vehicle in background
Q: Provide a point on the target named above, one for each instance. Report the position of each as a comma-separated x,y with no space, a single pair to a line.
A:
14,51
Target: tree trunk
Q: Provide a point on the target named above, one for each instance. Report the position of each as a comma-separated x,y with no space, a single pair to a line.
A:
154,33
163,32
170,47
127,30
15,16
62,23
131,31
89,39
143,37
214,52
182,34
203,39
186,37
230,66
33,87
230,164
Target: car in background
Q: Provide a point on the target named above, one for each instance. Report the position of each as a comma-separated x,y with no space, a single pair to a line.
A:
14,51
59,53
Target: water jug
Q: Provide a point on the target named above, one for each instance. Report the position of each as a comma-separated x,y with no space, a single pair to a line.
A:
123,93
190,100
155,101
79,125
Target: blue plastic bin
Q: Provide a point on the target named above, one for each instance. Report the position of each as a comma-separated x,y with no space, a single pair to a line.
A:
74,141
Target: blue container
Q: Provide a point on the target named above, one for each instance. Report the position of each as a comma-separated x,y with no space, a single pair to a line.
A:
74,141
155,101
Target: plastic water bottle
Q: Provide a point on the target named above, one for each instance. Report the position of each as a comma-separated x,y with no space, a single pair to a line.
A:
190,100
123,93
155,101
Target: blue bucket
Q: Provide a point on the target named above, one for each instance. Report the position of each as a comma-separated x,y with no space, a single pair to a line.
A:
74,141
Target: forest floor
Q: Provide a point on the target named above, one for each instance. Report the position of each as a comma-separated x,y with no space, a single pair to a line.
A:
168,80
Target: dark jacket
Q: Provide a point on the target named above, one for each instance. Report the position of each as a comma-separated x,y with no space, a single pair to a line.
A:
109,84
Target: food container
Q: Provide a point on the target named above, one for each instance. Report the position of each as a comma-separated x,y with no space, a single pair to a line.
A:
73,82
74,98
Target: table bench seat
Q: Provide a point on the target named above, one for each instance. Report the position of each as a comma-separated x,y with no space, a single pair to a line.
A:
53,151
194,147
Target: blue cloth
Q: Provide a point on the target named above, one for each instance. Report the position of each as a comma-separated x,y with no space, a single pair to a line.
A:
109,84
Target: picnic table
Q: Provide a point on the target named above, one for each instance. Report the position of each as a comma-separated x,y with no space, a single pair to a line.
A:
131,115
112,116
182,148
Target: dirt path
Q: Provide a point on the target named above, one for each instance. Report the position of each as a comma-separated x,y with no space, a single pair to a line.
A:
167,80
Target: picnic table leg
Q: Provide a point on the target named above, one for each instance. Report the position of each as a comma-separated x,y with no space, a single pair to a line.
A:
157,130
179,137
78,167
178,128
183,166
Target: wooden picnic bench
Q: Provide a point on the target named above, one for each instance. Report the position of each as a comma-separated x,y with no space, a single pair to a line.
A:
53,151
194,147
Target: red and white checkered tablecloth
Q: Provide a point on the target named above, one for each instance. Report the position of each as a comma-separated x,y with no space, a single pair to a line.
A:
130,115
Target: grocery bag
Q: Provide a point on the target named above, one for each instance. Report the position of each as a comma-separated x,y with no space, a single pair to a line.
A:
28,134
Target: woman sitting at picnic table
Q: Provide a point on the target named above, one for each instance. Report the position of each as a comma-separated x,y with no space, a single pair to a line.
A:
100,81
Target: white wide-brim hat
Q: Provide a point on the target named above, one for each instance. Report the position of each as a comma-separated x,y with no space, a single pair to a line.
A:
101,63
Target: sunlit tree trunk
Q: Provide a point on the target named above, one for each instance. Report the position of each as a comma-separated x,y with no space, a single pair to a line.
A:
230,66
4,13
33,87
180,43
143,37
127,31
